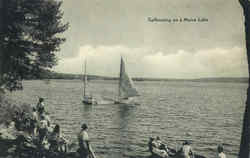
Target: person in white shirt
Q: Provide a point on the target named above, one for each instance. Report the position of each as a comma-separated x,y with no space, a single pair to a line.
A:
221,154
186,150
43,129
47,118
33,122
34,114
83,140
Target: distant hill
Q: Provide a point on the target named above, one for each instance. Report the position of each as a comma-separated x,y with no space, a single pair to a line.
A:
56,75
221,79
215,79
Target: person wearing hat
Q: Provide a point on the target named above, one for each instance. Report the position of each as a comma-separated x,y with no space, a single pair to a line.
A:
221,154
186,150
83,140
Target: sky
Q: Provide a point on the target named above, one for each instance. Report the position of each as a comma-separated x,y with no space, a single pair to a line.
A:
103,31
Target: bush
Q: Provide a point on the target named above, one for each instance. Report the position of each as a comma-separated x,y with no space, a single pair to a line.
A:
8,109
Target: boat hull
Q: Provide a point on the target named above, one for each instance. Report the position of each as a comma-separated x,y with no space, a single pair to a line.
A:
123,103
89,101
129,101
118,102
161,154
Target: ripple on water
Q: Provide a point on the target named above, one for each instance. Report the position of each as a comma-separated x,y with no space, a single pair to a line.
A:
206,113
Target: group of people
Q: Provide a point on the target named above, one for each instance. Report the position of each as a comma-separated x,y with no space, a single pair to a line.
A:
37,127
156,147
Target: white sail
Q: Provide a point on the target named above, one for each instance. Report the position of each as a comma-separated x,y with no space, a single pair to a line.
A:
126,86
87,99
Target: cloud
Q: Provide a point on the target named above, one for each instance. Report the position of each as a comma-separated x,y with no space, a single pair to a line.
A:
117,22
143,62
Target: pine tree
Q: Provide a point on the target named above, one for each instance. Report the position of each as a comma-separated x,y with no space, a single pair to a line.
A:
245,136
29,38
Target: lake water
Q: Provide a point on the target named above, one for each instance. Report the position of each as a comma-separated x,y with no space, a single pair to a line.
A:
206,113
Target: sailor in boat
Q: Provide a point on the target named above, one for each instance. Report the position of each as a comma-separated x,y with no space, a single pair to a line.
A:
186,150
126,89
158,142
150,145
83,140
221,154
160,145
156,147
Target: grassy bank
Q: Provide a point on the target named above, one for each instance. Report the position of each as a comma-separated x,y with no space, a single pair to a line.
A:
8,108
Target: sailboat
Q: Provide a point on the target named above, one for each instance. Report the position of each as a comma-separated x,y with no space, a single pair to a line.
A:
126,89
87,99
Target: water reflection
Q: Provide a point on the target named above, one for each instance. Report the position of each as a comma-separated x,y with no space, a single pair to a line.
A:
125,119
86,112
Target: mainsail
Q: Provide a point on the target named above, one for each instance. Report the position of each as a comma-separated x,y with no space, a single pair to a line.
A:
126,86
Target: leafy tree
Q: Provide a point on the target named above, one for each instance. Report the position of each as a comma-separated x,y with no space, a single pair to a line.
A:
29,38
245,136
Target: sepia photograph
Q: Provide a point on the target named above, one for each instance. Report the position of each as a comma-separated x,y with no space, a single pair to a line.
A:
124,79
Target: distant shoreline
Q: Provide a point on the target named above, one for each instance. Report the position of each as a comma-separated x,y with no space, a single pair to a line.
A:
55,75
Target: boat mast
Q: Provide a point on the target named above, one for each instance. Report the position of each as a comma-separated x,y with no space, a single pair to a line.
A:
85,79
120,77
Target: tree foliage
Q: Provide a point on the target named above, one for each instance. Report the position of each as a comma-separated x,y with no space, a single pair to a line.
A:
245,136
29,39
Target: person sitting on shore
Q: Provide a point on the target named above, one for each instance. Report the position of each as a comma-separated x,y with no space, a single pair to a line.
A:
22,120
27,122
33,122
83,140
54,139
186,150
34,114
47,118
221,154
57,141
19,143
43,129
17,120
